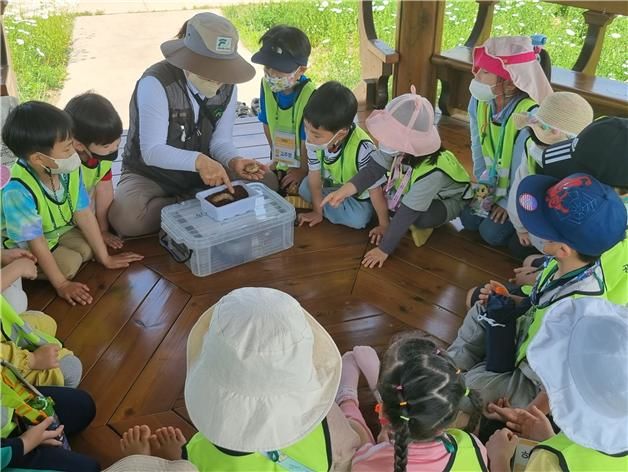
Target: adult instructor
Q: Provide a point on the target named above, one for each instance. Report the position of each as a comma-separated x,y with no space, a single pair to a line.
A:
181,120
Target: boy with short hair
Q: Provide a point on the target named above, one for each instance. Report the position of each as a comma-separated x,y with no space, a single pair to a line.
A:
337,150
579,218
96,132
285,91
45,205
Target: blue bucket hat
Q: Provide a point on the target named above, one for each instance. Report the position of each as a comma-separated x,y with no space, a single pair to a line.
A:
578,210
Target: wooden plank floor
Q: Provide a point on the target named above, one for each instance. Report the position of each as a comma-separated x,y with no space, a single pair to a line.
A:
132,338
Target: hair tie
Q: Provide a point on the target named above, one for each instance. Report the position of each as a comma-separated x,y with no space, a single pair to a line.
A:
458,371
437,351
466,392
378,408
399,387
403,403
405,418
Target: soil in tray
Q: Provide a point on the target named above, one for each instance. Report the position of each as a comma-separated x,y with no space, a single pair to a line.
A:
224,198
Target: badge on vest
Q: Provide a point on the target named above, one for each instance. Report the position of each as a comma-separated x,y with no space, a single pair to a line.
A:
285,148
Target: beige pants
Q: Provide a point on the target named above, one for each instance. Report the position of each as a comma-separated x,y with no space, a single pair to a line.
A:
70,254
138,200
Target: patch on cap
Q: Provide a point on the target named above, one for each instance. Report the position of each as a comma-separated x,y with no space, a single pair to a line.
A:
528,202
224,45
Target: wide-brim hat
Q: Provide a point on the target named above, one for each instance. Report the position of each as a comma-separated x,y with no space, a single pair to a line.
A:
565,112
514,57
406,125
262,373
210,50
141,463
580,354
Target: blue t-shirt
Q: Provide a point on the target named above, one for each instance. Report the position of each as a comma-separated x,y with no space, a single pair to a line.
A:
20,220
285,101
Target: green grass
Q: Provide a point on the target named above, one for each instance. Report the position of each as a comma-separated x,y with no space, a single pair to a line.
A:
40,49
332,29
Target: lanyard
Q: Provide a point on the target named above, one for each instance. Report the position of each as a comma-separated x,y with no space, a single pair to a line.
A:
497,151
393,203
286,462
67,198
543,286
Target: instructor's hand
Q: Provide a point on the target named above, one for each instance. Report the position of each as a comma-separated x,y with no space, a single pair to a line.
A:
212,172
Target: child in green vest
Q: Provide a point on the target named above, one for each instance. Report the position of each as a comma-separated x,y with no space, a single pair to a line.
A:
580,356
284,92
45,205
419,393
337,150
568,214
97,130
508,78
427,186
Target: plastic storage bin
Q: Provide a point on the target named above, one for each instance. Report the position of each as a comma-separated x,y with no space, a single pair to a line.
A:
231,209
208,246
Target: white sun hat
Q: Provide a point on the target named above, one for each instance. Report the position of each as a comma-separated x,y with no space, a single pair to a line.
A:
580,353
262,373
141,463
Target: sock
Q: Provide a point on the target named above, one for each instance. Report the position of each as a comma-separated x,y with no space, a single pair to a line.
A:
349,377
367,360
420,235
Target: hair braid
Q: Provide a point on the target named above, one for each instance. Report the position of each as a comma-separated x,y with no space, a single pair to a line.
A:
402,438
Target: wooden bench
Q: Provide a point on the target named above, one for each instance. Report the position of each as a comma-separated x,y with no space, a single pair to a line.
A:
606,96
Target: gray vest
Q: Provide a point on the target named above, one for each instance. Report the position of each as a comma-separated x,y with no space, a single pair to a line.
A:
183,131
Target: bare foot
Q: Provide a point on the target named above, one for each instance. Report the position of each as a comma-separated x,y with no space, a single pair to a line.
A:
135,441
167,443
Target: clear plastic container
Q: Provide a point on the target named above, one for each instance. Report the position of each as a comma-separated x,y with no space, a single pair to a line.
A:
208,246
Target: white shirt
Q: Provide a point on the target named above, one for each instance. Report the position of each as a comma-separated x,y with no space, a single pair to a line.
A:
152,105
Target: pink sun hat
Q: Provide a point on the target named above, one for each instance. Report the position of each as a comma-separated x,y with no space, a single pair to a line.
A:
406,125
514,58
5,176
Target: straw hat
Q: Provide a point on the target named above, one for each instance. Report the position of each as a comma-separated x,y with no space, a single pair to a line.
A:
261,372
406,125
140,463
209,49
580,354
566,112
514,58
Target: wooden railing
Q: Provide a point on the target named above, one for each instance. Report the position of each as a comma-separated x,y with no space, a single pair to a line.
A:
8,85
421,61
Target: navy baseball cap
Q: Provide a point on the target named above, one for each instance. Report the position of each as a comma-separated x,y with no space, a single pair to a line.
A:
578,210
278,58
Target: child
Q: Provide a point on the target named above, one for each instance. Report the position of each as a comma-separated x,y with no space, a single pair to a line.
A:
568,214
279,407
427,185
97,130
284,93
508,79
421,392
337,150
45,205
580,356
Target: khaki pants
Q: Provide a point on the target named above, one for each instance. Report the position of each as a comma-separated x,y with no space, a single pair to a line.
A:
138,200
70,254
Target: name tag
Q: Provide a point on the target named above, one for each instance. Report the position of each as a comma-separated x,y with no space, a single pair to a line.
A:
285,148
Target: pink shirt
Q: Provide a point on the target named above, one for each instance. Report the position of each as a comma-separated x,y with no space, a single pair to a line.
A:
422,457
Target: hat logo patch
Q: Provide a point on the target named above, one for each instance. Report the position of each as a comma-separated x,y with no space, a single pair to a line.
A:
528,202
224,44
559,192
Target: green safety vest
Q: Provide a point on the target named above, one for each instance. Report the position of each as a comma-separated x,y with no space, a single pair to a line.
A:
446,163
538,313
615,267
91,177
345,165
289,118
467,455
575,458
15,329
54,217
313,452
490,136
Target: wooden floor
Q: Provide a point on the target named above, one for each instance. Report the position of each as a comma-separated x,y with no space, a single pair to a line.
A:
132,338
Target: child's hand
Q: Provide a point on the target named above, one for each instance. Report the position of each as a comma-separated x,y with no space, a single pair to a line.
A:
119,261
9,255
375,257
491,409
524,238
498,214
111,240
530,423
501,447
39,434
74,292
491,288
45,357
337,197
26,268
377,233
294,176
312,218
524,276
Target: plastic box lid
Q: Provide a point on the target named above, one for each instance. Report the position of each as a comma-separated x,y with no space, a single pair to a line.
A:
187,223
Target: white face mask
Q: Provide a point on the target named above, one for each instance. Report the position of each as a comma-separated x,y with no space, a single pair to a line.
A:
64,166
279,84
320,147
208,88
481,91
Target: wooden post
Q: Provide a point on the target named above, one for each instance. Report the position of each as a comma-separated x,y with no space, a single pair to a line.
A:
483,23
419,33
8,84
592,47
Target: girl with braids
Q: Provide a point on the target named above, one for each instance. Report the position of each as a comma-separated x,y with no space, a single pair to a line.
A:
420,392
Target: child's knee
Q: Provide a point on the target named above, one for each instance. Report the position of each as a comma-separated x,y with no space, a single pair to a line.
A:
473,295
68,261
40,321
493,234
72,370
304,190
